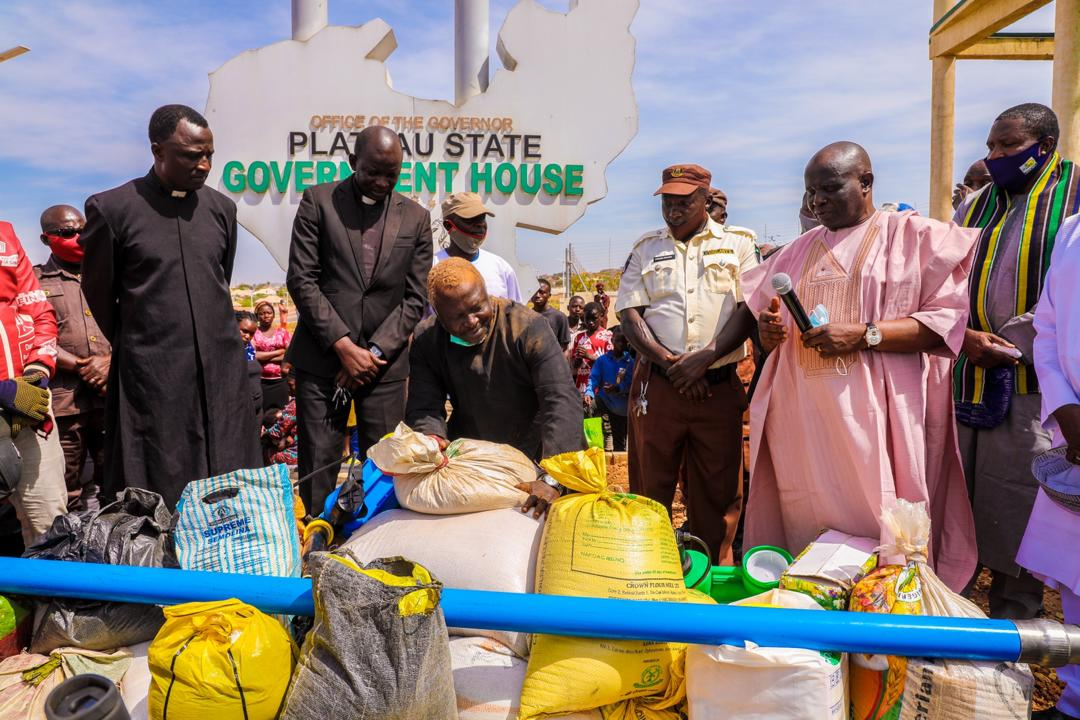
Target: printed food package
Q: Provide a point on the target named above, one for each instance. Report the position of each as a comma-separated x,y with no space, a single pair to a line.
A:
958,690
830,566
877,681
239,522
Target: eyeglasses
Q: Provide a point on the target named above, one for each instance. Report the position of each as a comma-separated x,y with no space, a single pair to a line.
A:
67,232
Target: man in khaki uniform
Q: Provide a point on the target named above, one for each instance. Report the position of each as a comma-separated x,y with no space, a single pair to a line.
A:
679,289
83,357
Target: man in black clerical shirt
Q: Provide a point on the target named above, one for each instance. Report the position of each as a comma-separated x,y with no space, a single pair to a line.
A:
358,269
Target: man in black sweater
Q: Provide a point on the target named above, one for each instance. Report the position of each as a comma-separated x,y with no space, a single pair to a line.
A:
502,369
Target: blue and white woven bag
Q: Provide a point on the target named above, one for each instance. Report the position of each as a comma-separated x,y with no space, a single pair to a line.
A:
239,522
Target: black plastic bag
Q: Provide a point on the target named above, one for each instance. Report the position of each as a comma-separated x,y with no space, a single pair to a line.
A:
134,530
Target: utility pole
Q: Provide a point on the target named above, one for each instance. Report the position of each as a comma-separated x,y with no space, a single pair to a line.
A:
567,269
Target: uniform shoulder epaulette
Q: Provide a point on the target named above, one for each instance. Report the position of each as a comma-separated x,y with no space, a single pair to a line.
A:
648,236
741,231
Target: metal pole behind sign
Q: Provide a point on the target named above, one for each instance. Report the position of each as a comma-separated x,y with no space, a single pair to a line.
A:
470,49
308,18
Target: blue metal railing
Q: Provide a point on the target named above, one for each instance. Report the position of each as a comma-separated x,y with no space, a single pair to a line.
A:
975,639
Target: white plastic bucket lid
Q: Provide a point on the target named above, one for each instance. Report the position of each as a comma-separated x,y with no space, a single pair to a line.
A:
765,566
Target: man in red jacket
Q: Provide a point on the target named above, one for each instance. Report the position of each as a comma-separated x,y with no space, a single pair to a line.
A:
27,360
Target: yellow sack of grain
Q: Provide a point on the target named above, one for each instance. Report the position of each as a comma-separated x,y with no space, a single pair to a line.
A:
609,545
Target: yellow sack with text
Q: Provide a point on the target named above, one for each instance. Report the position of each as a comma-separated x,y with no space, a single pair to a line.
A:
224,660
609,545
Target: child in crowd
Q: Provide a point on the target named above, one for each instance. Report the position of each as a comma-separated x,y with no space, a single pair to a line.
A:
246,322
588,346
279,433
608,389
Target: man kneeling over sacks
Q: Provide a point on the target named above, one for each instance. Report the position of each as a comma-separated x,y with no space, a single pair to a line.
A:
501,367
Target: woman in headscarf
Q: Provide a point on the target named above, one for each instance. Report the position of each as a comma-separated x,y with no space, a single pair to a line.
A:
270,345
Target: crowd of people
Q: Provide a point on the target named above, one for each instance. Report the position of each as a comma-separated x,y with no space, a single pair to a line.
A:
937,360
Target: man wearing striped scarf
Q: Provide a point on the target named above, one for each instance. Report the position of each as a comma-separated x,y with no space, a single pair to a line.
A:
997,394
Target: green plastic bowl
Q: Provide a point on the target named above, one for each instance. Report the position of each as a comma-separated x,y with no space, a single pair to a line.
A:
727,585
762,567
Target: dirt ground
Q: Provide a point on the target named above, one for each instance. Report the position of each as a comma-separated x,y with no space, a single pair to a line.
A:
1047,686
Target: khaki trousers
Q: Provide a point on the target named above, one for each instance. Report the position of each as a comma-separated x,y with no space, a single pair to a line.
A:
41,495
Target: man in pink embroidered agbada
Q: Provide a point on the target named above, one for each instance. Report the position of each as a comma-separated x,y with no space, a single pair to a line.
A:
855,413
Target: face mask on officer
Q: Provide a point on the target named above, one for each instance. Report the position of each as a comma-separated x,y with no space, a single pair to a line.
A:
64,244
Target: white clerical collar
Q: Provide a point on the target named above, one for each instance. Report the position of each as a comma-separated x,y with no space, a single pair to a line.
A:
366,200
179,193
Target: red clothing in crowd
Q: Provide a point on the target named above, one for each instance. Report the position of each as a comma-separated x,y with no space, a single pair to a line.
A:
276,339
27,319
598,343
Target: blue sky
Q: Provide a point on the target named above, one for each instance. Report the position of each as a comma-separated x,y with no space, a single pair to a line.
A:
748,89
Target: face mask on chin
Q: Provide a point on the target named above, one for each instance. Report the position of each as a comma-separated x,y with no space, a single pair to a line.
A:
1012,172
454,339
467,242
66,249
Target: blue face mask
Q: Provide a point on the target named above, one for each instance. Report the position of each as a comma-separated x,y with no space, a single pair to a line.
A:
1012,172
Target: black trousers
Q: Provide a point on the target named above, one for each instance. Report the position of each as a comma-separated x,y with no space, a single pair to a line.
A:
322,438
275,394
618,425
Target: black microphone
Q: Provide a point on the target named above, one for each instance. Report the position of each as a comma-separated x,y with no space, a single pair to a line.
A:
781,283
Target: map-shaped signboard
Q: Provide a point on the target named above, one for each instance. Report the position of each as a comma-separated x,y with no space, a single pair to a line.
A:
535,144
